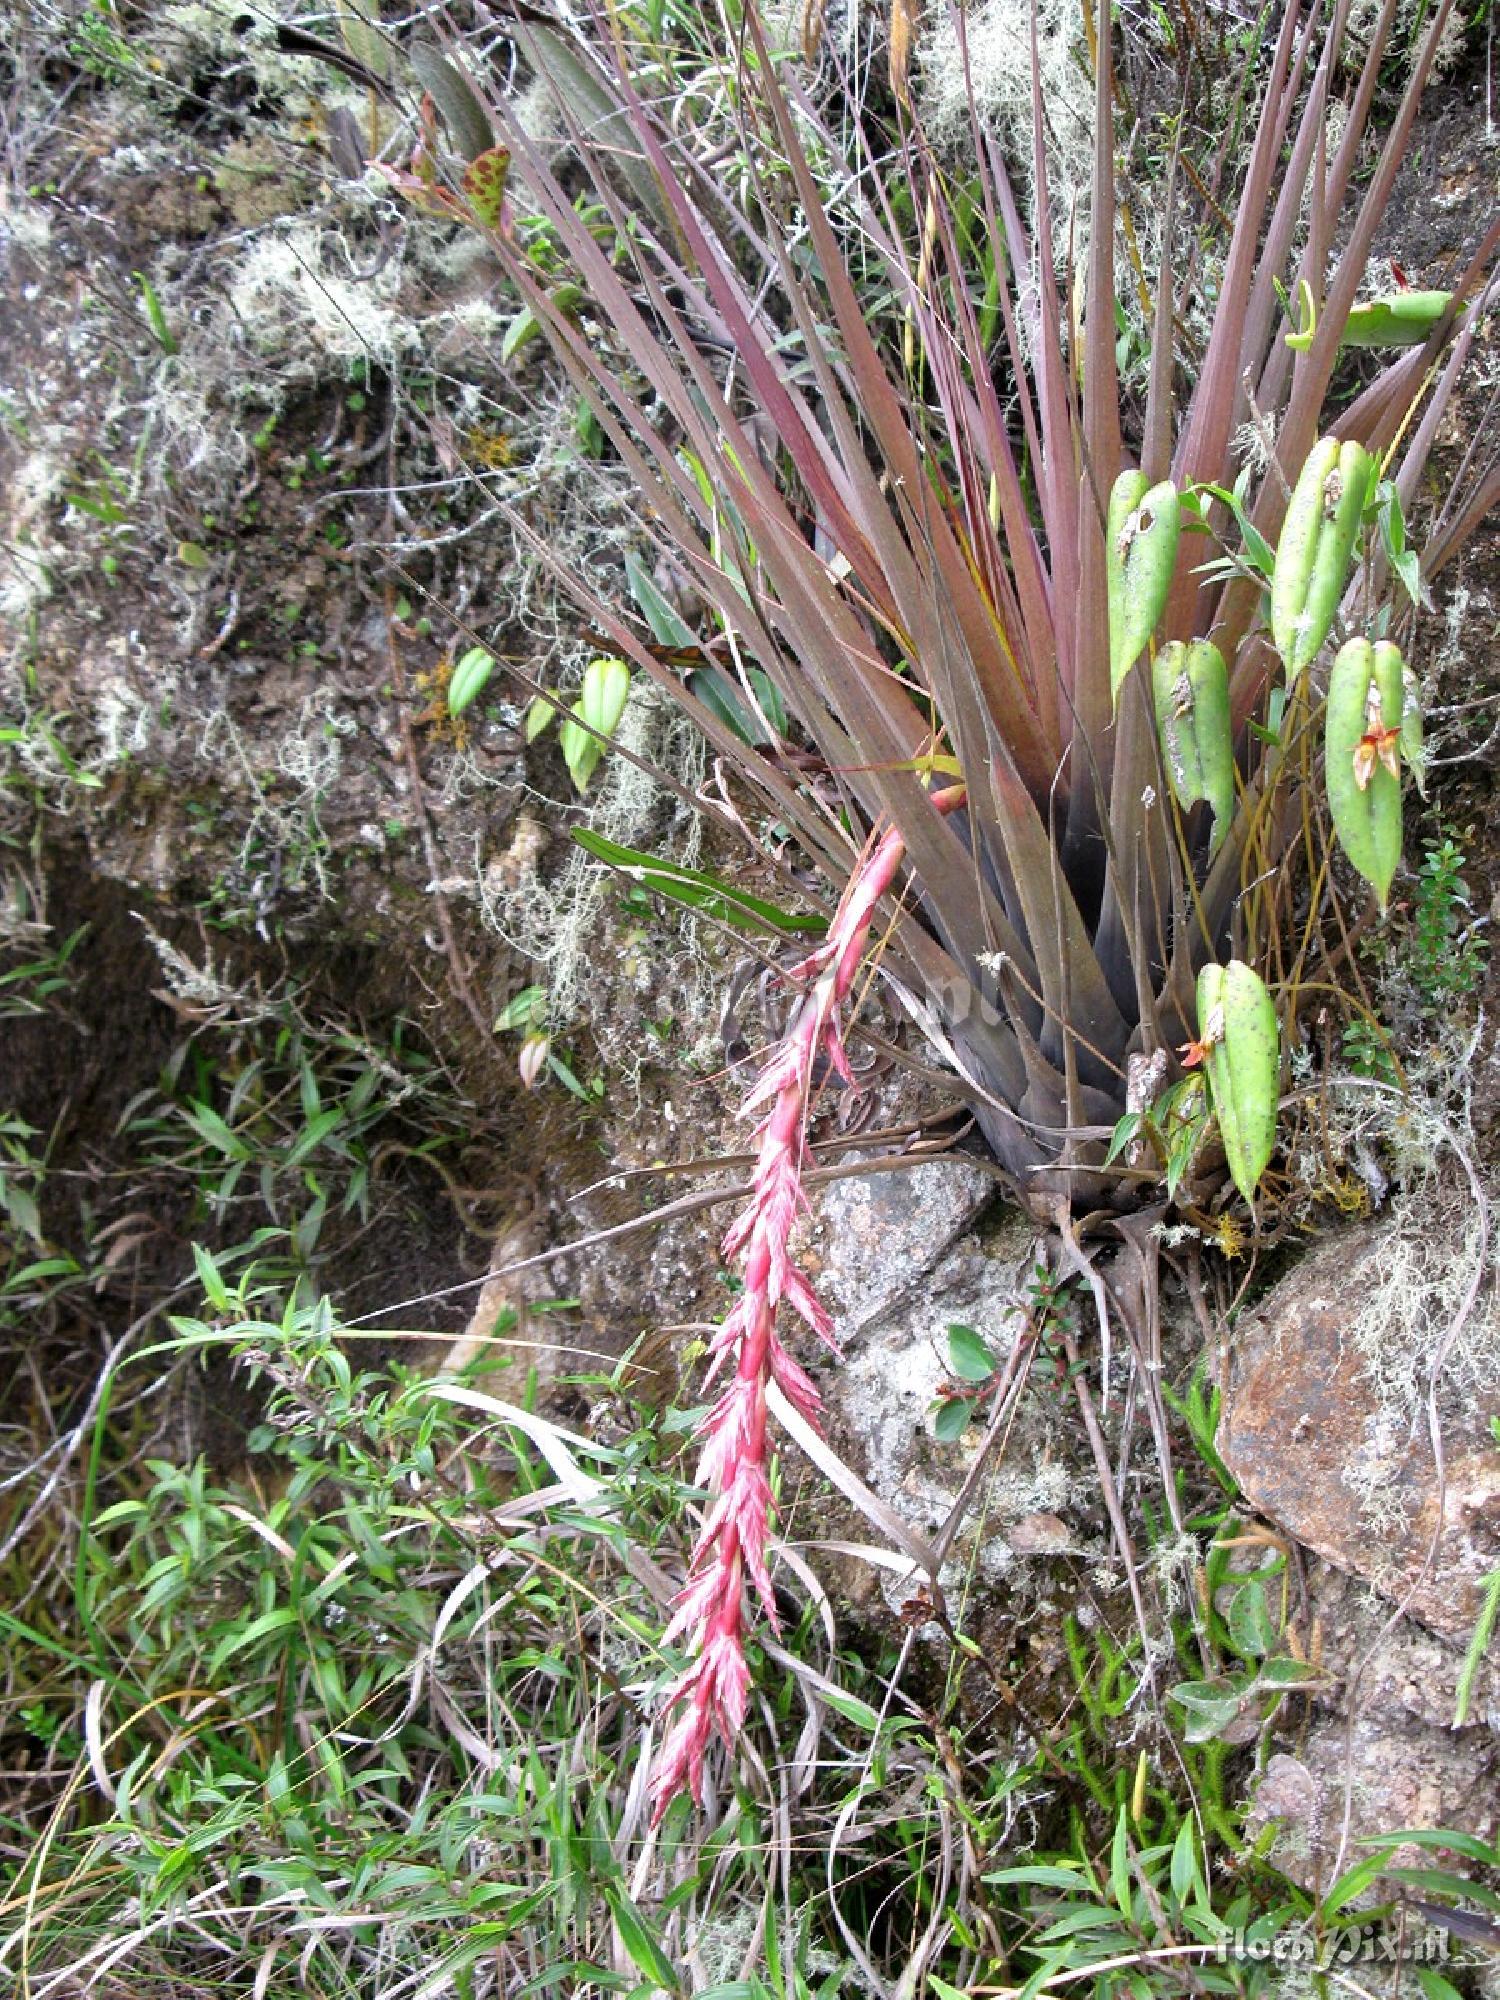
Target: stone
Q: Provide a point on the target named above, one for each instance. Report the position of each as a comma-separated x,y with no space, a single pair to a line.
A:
1324,1425
900,1264
878,1235
1039,1535
1380,1734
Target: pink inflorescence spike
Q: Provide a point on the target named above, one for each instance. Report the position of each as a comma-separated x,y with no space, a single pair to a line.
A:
731,1548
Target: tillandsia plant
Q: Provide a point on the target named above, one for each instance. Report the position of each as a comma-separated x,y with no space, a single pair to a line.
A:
939,553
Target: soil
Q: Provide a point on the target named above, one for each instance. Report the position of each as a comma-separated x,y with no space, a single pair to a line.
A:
207,621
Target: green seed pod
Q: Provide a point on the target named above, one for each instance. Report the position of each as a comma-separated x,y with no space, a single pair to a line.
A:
469,678
1317,540
1241,1043
1361,757
1191,687
1140,556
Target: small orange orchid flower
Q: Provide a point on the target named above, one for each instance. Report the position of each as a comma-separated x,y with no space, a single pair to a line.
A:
1378,745
1192,1054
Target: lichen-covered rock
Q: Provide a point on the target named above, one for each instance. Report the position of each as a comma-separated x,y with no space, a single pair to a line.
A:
1381,1736
1325,1421
900,1261
879,1235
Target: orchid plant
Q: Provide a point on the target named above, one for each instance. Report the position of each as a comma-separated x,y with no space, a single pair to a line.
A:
940,555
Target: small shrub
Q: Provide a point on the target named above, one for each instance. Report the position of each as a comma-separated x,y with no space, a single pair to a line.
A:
1445,952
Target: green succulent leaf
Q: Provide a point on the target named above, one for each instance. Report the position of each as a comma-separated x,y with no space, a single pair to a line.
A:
1142,528
1190,684
1400,319
1317,541
1365,730
470,678
606,689
540,716
1238,1031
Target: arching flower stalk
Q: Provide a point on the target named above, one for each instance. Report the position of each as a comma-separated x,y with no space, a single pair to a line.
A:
731,1547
